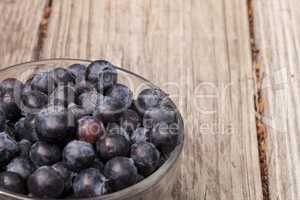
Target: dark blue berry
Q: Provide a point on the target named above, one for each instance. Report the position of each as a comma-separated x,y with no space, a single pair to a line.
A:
114,128
146,157
89,183
140,135
165,136
78,155
149,98
63,95
78,71
90,129
21,166
12,182
62,76
54,125
121,173
120,93
2,120
25,146
112,146
33,101
9,104
11,85
8,149
62,169
25,129
42,153
102,74
130,120
157,115
89,101
45,182
43,82
98,164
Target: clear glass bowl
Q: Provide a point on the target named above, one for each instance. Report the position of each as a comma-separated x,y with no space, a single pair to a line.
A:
157,186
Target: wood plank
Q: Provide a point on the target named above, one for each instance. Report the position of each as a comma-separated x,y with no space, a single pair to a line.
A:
200,47
277,33
19,27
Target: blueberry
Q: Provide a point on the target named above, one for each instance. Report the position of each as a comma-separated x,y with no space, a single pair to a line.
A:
120,93
102,74
98,164
146,157
114,128
89,100
24,146
9,105
165,136
21,166
130,120
78,155
63,95
121,173
89,183
108,110
83,87
140,135
53,125
62,169
33,101
62,76
112,146
2,120
45,182
25,129
149,98
43,82
157,115
42,153
12,182
78,71
90,129
76,112
11,85
8,149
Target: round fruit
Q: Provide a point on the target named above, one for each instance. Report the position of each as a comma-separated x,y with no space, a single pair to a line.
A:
43,82
25,146
89,183
78,71
149,98
102,74
108,110
25,129
165,136
98,165
9,105
33,101
158,115
120,93
42,153
8,149
20,166
121,173
53,125
140,135
146,157
89,101
130,120
2,120
90,129
63,171
45,182
78,155
63,95
112,146
12,182
62,76
11,85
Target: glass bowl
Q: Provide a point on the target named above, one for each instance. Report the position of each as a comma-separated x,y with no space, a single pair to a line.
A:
157,186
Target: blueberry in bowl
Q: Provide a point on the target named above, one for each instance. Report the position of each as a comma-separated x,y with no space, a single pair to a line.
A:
86,130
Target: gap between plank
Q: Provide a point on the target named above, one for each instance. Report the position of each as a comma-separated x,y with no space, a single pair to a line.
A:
259,106
43,29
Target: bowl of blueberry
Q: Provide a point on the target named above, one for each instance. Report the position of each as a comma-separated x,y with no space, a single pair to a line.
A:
79,129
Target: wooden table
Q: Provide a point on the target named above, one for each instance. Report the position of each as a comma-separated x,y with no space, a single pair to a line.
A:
206,50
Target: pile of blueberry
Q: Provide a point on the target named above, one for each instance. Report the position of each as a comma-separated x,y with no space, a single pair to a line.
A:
77,132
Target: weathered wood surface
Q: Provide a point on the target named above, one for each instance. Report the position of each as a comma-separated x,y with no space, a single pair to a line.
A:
277,36
202,48
19,25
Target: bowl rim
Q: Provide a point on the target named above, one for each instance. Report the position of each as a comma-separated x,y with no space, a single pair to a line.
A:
135,189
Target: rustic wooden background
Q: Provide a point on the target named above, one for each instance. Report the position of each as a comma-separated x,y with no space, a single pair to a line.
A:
208,51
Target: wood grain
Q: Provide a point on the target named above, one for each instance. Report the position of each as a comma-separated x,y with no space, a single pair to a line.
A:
277,33
19,27
199,52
